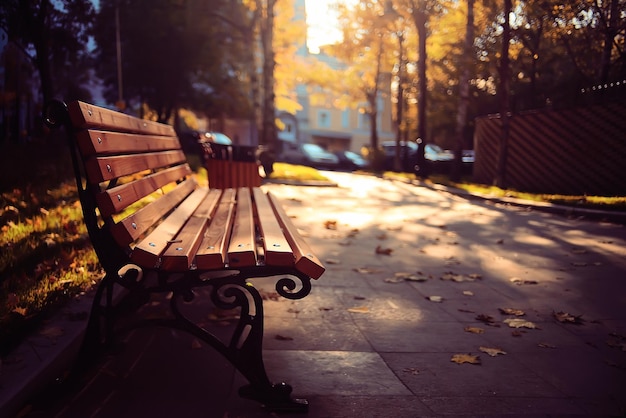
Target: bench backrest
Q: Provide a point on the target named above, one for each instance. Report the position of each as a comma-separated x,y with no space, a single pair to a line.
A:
133,172
142,204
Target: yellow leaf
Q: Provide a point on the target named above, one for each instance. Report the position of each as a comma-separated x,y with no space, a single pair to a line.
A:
493,352
359,309
465,358
437,299
474,330
511,311
520,323
567,318
330,224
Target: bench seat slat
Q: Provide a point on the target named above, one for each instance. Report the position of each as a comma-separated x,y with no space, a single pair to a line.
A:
213,250
84,115
117,198
148,251
277,250
242,247
94,142
106,168
306,261
133,226
179,256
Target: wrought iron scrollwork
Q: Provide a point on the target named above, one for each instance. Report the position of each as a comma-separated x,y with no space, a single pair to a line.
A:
286,286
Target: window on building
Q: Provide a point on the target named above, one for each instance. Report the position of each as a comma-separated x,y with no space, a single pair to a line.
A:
345,119
323,119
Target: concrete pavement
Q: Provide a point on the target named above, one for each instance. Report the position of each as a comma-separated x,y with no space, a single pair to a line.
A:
416,278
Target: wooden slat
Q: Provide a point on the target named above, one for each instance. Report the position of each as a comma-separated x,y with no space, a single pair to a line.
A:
213,250
133,226
114,200
106,168
180,254
242,247
94,142
182,249
84,115
148,251
277,250
306,261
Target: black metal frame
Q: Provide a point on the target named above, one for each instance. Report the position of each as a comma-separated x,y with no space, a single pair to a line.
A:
229,289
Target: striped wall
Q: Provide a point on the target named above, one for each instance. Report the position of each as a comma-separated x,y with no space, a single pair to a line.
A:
574,151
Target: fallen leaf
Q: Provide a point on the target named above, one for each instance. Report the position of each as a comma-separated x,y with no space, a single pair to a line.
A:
465,310
394,280
332,261
330,224
468,293
517,333
493,352
283,338
579,251
475,276
566,318
511,311
359,309
465,358
411,370
366,270
487,319
520,323
353,233
437,299
518,281
383,251
415,278
474,330
546,345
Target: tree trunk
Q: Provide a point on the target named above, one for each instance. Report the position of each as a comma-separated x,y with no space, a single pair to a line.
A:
504,70
464,100
268,128
420,18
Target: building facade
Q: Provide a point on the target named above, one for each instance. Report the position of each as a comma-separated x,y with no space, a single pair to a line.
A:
334,128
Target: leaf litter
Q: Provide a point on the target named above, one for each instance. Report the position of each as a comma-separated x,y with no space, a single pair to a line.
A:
465,358
492,351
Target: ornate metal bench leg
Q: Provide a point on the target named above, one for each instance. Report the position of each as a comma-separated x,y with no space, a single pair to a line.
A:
246,353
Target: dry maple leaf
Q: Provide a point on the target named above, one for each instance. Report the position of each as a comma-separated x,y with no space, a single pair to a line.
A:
474,330
493,352
520,323
465,358
567,318
511,311
546,345
383,251
330,224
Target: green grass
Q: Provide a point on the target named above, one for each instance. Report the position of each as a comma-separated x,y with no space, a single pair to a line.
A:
617,203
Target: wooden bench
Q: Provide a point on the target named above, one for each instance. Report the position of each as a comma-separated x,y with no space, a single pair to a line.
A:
157,232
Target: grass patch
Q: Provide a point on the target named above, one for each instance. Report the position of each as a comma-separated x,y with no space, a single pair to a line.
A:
284,171
615,203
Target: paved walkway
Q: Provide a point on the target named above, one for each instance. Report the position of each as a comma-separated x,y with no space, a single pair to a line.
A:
378,333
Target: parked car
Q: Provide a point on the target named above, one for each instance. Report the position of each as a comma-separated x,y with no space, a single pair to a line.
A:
438,159
308,154
349,160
